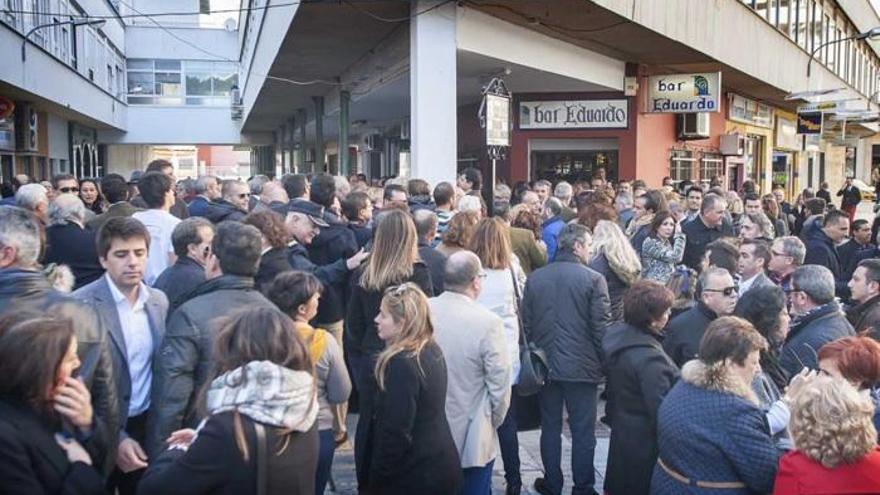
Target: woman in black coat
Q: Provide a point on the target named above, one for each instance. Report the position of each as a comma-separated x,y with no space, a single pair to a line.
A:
639,376
410,447
617,261
38,400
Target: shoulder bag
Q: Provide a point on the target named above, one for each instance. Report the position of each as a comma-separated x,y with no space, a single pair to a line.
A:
533,360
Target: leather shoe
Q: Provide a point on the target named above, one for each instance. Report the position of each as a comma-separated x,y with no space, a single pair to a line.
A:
541,487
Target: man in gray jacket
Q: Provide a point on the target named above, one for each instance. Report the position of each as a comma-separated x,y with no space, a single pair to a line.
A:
565,311
185,361
478,389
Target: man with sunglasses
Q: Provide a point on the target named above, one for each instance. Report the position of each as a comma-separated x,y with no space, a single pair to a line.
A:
65,184
717,295
818,318
232,204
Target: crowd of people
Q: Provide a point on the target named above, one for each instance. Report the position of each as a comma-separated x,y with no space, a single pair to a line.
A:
208,336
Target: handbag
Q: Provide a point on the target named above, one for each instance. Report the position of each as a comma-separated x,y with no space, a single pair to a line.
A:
533,369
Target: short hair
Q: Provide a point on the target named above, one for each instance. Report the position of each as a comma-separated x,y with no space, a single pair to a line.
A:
228,188
794,247
554,205
816,206
711,201
353,203
765,226
857,359
833,217
723,254
462,267
761,249
543,183
563,190
57,179
238,248
655,201
816,281
203,182
426,222
761,307
443,193
624,199
691,189
291,289
295,185
645,302
159,165
470,203
730,337
271,225
65,209
323,190
501,193
569,235
29,196
153,186
751,197
831,422
257,182
20,229
872,269
418,187
187,232
474,176
860,223
124,228
390,188
712,271
115,188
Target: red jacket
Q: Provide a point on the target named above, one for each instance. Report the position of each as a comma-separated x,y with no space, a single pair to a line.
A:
800,475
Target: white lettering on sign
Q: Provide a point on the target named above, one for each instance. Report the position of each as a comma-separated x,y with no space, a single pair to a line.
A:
684,93
579,114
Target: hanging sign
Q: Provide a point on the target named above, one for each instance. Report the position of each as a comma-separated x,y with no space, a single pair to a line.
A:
748,111
497,120
809,123
580,114
685,93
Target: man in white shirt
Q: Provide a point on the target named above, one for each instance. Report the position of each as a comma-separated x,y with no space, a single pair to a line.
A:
754,255
157,191
134,316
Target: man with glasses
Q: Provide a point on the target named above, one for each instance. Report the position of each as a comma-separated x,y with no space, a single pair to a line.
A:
818,318
65,184
717,295
232,204
786,255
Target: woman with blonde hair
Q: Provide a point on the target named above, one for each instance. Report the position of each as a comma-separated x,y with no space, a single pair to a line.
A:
613,256
409,447
835,441
458,235
394,259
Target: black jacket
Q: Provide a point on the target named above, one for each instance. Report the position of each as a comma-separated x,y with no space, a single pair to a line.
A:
334,243
28,292
698,236
222,210
822,251
32,462
850,254
565,311
409,446
74,246
639,376
179,280
121,209
214,464
200,206
685,331
851,196
362,235
436,262
186,358
273,262
809,333
616,287
865,317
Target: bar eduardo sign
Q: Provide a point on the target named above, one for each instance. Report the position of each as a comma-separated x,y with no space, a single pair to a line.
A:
684,93
580,114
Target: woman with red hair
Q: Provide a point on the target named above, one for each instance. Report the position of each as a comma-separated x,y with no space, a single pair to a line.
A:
856,359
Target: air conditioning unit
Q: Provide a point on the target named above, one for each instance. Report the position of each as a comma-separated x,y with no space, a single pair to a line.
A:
693,126
732,144
26,128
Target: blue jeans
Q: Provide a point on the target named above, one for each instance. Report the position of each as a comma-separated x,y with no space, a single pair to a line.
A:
477,480
325,460
509,442
580,400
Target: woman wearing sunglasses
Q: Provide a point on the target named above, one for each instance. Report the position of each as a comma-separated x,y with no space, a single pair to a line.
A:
410,445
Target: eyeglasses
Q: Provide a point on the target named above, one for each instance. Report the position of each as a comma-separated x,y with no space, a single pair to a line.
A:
726,292
69,189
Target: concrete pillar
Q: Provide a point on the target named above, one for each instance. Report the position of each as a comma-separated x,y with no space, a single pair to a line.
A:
344,101
319,134
433,104
301,152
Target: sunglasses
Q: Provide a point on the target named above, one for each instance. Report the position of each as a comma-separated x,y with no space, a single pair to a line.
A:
726,292
69,189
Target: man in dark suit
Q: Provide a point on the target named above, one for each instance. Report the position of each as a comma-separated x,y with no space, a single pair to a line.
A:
754,255
69,243
207,190
192,244
426,228
115,190
134,316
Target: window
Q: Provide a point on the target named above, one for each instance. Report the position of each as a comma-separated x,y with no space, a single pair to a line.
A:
681,166
175,82
803,23
818,33
711,166
831,50
786,17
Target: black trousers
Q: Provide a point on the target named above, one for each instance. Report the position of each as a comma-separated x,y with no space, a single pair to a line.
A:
127,483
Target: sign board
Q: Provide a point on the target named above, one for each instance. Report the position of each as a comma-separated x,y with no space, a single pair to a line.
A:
825,106
748,111
581,114
685,93
809,123
786,134
497,120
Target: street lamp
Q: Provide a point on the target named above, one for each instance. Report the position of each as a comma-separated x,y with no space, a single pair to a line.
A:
72,22
870,34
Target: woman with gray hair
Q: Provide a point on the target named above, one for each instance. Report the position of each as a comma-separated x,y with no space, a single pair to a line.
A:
756,226
69,243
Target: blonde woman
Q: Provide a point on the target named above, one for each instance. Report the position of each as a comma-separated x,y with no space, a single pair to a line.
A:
458,235
411,449
613,256
835,441
491,243
394,259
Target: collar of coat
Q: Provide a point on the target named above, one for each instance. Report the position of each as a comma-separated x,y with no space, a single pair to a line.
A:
718,378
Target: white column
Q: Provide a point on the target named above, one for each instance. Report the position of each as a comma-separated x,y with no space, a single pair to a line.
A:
433,104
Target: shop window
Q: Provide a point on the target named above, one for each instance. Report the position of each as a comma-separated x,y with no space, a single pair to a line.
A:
711,166
681,165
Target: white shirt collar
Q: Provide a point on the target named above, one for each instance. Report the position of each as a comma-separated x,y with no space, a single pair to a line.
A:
118,296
